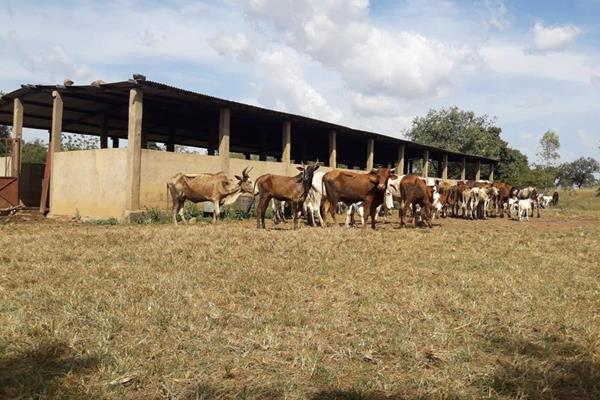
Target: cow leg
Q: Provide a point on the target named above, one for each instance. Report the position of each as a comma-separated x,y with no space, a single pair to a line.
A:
261,208
177,205
181,213
216,212
295,214
373,214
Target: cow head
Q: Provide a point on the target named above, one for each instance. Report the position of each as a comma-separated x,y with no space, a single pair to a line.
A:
246,184
307,172
380,176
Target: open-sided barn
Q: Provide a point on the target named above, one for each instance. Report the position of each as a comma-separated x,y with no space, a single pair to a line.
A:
115,182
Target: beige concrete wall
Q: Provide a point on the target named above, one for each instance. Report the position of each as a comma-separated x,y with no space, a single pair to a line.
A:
5,166
92,182
159,166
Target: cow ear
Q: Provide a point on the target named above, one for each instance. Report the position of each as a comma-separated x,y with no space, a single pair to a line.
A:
238,178
300,168
393,176
373,171
316,168
373,179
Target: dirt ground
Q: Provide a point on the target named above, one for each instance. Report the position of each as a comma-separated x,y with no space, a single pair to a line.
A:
467,310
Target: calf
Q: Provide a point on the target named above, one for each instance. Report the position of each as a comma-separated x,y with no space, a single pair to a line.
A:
293,189
524,207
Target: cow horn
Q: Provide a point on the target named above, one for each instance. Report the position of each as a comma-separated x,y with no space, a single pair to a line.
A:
392,169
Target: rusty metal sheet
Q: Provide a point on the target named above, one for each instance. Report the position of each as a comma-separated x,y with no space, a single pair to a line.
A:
9,191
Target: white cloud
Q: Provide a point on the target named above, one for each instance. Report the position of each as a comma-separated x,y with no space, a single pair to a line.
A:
497,15
236,44
553,38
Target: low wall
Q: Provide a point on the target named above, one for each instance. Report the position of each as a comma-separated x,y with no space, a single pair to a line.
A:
91,182
5,166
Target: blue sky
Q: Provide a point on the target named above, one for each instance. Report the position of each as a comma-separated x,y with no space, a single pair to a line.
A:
535,65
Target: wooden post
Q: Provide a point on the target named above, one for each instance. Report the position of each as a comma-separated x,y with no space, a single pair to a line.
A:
57,116
17,137
332,149
492,168
478,170
115,142
104,132
463,170
134,149
445,166
224,127
425,164
370,153
286,142
400,165
171,140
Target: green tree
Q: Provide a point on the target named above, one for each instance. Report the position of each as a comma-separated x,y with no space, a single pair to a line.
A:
5,133
579,172
457,130
549,146
513,167
71,142
34,152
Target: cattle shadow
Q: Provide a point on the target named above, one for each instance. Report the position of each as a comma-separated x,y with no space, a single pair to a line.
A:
36,372
551,368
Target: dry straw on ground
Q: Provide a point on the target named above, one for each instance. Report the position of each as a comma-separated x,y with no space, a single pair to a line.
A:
468,310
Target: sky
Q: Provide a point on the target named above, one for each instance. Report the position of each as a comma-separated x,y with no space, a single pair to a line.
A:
373,65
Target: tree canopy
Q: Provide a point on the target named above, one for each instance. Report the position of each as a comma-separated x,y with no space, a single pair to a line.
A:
579,172
549,145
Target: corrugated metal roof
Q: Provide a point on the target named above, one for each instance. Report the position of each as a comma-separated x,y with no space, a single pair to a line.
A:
172,91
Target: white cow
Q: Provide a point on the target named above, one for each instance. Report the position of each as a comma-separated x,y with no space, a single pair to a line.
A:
524,207
388,202
312,204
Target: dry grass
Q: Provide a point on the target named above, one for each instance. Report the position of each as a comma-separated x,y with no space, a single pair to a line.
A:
471,310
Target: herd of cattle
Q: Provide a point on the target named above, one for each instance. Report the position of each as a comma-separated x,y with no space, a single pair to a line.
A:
317,194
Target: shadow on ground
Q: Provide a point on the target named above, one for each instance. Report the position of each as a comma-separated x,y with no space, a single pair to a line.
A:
549,367
40,372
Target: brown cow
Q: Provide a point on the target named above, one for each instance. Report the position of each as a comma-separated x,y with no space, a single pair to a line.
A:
504,193
216,188
292,189
414,191
351,187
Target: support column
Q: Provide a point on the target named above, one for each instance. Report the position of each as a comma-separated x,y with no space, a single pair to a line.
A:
224,126
286,142
370,153
478,170
400,165
171,140
17,137
104,132
57,116
492,169
463,169
445,166
333,149
134,149
425,164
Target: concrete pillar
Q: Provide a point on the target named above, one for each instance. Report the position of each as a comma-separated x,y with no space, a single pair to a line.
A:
115,142
332,149
224,126
463,169
478,170
286,142
400,165
57,116
17,137
370,153
492,169
104,132
425,164
445,166
171,140
134,149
